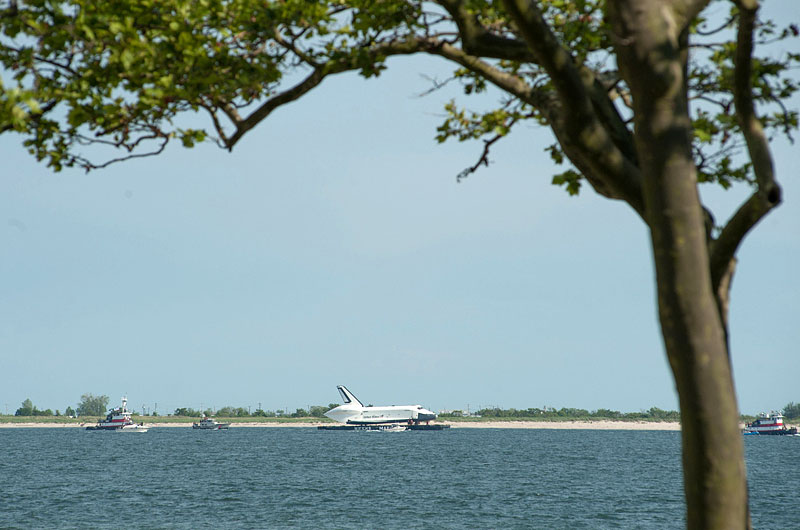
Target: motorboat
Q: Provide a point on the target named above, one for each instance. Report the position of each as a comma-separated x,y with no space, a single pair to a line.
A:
210,424
118,420
394,427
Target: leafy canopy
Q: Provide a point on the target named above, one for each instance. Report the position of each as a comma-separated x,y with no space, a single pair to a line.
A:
124,75
92,405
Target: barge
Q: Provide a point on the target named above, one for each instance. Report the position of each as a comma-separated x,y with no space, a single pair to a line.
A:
389,427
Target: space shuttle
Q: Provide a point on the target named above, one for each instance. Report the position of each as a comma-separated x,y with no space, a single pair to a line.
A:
353,412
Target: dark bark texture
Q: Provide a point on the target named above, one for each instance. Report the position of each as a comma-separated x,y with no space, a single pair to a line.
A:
652,54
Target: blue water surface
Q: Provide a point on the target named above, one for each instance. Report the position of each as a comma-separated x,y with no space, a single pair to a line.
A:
304,478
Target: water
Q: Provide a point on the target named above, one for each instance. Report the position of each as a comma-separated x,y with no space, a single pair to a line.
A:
304,478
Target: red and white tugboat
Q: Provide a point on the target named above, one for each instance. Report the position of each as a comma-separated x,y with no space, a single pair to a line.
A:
769,424
118,419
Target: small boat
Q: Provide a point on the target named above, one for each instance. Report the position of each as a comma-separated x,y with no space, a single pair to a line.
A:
119,420
210,424
395,427
771,424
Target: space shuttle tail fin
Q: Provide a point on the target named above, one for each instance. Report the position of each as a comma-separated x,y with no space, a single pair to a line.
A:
348,397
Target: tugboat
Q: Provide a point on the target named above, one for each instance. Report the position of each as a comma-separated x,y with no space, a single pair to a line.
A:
118,419
210,424
769,424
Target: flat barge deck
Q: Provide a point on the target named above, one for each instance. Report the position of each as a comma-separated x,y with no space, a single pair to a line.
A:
384,427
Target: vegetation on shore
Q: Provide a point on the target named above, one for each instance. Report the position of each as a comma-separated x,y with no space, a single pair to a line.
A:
177,419
569,414
93,409
300,419
90,405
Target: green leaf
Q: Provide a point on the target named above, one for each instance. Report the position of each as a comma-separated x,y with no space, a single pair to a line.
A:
126,57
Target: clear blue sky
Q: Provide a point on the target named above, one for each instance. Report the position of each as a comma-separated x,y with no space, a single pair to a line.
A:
334,246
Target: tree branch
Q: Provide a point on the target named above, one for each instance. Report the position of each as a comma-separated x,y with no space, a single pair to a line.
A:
483,160
753,131
507,82
723,249
768,193
320,72
87,165
586,109
223,138
549,53
627,188
273,103
478,41
688,10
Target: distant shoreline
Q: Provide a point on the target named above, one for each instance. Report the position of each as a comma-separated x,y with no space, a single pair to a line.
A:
574,425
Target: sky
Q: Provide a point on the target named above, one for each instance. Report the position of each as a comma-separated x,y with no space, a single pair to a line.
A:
335,246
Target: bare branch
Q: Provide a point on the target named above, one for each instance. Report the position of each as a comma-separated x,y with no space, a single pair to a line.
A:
487,145
223,139
87,165
435,85
717,29
482,161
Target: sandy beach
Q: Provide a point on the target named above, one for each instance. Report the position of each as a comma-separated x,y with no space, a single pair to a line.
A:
597,425
603,425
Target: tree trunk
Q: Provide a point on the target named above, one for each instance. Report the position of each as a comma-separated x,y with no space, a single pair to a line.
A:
652,56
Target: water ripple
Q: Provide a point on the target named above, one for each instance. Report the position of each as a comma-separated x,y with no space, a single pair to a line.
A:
303,478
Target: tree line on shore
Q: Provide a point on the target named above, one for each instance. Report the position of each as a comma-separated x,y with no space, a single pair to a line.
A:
654,413
791,412
314,411
91,405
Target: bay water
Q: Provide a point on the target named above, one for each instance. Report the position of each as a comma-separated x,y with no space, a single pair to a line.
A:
298,477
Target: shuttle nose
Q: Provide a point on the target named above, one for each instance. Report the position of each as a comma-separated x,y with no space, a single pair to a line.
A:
337,414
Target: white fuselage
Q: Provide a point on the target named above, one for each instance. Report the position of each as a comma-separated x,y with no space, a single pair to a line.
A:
354,412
